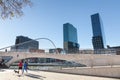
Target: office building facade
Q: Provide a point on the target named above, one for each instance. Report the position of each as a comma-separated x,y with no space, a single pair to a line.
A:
70,40
98,39
21,44
57,50
116,49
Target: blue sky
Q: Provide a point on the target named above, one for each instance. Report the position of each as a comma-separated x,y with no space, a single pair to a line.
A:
46,18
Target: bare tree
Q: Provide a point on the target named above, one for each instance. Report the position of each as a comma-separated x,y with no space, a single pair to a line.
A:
12,8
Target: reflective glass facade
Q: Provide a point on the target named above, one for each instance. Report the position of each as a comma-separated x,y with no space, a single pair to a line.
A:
70,33
98,38
26,46
70,38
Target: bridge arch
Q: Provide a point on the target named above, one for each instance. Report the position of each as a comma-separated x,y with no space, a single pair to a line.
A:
31,41
38,55
13,61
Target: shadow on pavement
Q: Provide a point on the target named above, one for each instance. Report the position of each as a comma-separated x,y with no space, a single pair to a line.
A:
35,76
1,70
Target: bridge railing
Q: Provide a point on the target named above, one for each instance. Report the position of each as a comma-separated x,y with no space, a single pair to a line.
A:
61,50
28,50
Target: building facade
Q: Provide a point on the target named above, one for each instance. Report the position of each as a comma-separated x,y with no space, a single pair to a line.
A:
23,43
57,50
70,40
115,49
98,39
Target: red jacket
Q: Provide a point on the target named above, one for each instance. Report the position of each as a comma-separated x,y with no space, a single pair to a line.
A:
20,64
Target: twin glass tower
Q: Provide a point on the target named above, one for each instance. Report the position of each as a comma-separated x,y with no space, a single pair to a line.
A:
98,39
70,40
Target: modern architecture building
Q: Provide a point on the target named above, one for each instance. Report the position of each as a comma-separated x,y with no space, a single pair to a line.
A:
59,50
86,51
98,39
70,40
24,44
116,49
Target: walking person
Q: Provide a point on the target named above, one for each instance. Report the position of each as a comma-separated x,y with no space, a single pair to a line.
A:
25,67
20,66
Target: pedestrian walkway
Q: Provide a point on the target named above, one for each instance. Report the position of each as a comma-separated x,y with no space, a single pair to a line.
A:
41,75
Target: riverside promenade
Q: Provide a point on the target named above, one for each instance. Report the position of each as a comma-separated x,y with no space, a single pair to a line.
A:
7,74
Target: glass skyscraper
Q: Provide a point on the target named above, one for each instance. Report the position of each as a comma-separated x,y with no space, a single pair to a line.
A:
98,39
70,38
26,46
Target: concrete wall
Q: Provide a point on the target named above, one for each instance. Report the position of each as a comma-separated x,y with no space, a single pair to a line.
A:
113,72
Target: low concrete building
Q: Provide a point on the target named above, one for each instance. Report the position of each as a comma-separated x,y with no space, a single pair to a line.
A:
115,48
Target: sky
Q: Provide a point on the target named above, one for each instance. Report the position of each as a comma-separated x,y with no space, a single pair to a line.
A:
45,19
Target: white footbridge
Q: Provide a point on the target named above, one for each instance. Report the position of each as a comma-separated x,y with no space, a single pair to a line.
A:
86,59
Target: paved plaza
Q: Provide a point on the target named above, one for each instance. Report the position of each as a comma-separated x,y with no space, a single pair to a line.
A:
41,75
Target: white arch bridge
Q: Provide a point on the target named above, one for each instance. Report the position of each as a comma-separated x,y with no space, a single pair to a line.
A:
86,59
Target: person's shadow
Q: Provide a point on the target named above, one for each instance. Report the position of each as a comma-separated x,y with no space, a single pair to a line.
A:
1,70
35,76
